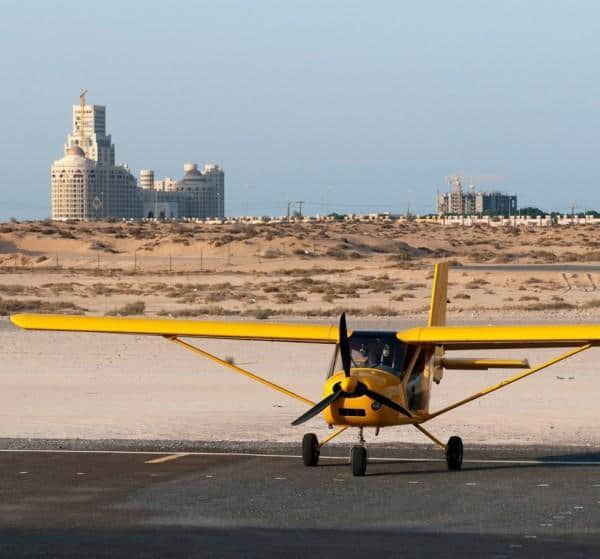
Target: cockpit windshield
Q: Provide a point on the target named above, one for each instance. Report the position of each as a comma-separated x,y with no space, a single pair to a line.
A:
375,350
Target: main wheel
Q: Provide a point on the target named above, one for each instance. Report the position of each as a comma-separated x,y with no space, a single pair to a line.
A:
454,453
359,460
310,449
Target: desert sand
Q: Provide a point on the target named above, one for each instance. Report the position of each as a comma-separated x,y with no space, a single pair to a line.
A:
109,386
296,269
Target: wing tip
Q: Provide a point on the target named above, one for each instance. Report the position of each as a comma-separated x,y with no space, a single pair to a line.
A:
18,320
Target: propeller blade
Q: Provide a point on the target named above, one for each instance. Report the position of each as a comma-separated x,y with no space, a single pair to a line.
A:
345,345
318,408
387,402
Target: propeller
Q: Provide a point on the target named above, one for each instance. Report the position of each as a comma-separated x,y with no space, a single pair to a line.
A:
350,388
318,408
387,402
344,345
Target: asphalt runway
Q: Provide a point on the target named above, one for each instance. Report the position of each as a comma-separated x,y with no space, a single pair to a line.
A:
260,501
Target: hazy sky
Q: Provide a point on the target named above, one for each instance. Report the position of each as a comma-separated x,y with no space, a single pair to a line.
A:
367,104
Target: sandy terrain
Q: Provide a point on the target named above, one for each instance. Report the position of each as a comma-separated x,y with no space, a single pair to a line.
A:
292,269
113,386
67,385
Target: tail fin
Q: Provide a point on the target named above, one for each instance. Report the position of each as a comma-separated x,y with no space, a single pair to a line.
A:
439,294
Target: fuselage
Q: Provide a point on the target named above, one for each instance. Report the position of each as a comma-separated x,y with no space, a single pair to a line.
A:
362,410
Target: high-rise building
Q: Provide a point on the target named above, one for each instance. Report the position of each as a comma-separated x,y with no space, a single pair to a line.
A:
89,133
496,203
86,183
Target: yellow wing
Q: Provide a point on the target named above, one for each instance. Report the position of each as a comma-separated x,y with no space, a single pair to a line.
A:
187,328
495,337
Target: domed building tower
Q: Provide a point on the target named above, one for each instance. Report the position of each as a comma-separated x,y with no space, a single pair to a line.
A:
73,186
86,183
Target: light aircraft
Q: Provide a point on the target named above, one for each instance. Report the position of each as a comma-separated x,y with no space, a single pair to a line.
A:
376,378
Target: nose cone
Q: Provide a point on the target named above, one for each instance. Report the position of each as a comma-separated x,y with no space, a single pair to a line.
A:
349,384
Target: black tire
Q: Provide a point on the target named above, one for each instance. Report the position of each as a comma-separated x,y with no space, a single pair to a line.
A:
310,450
454,453
359,460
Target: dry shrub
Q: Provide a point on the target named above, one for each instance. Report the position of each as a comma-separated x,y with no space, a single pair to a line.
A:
476,283
412,286
272,253
529,298
99,245
216,296
271,289
462,296
135,308
263,314
10,306
209,310
288,298
336,253
556,306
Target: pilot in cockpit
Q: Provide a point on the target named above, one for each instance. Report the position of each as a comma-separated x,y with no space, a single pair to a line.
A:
360,357
385,362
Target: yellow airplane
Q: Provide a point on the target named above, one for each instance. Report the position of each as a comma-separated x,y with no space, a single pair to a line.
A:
376,378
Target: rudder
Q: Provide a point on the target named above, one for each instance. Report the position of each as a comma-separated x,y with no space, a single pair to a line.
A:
439,295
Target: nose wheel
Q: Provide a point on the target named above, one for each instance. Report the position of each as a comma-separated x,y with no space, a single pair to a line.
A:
358,458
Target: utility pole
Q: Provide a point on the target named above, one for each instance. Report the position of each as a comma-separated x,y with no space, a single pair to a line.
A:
300,202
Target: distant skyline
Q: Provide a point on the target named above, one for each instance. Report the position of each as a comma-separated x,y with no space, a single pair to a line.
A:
346,105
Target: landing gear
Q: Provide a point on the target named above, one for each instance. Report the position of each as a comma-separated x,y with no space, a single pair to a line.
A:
454,453
310,450
359,460
358,456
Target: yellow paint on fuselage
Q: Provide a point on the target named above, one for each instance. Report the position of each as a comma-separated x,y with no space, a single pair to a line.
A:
383,383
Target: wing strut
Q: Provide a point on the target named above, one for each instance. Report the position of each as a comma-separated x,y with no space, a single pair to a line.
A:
241,371
509,380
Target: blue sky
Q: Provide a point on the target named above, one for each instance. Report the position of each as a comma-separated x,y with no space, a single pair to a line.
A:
347,105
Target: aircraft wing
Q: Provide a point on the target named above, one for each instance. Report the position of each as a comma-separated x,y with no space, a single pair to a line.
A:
495,337
306,333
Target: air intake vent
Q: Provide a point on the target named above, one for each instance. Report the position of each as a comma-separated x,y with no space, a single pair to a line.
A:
356,412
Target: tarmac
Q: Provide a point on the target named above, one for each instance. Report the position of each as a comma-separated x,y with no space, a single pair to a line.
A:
111,498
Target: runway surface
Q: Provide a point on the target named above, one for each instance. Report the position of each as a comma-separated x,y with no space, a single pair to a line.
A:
255,501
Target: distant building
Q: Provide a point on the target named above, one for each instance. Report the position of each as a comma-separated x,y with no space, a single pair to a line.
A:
86,184
196,195
459,202
496,203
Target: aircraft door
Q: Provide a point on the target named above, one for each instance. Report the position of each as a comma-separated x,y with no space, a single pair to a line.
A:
418,388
